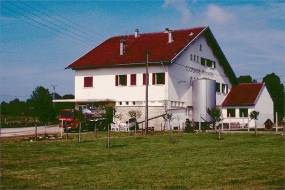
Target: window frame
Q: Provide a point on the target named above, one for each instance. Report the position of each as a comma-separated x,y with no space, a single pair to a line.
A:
231,111
121,80
225,88
158,78
218,87
243,110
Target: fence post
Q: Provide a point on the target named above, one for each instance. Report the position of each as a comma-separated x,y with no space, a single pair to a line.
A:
276,122
95,131
248,123
36,128
229,121
66,130
79,133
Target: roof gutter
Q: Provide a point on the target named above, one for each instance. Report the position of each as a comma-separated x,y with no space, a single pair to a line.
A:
121,65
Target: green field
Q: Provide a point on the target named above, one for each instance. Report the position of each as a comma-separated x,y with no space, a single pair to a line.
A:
193,161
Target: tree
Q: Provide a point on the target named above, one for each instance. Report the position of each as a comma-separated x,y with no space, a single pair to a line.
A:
108,111
42,104
253,115
135,114
168,117
246,79
276,89
216,114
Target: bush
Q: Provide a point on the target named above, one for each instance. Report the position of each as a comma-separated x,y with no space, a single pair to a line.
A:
189,130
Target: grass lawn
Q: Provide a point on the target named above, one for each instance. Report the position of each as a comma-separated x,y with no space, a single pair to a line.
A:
194,161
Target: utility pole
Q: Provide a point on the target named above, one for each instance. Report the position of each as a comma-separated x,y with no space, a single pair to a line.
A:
53,93
146,95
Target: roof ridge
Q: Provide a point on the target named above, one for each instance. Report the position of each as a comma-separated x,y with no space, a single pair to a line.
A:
158,32
251,83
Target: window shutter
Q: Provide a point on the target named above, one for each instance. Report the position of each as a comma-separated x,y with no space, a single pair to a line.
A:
163,78
202,61
116,80
125,82
88,81
144,79
133,79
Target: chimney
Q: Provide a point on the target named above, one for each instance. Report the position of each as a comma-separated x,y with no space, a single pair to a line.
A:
122,47
136,33
166,30
170,36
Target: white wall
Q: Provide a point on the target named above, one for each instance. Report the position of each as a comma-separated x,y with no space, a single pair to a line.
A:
265,106
104,84
183,91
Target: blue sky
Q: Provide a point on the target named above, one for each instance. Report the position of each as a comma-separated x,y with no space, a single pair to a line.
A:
40,38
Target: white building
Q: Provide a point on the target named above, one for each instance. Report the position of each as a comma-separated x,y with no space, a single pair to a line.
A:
115,71
245,98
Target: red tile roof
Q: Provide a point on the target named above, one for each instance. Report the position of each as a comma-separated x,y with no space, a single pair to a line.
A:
108,52
243,94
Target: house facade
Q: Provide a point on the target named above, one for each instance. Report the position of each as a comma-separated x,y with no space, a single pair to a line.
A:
245,98
186,70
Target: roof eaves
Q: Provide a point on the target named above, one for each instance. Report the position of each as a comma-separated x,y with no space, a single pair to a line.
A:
234,105
120,65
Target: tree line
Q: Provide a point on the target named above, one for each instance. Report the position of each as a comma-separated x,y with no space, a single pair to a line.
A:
39,105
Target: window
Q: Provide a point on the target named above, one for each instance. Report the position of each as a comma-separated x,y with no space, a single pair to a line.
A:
191,57
158,78
197,59
202,61
224,88
244,112
88,81
121,80
144,79
133,79
209,63
214,64
218,87
231,112
194,57
200,47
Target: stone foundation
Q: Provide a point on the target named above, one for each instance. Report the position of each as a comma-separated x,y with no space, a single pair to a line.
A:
152,112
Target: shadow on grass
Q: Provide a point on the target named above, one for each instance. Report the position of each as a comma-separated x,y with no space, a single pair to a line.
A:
118,145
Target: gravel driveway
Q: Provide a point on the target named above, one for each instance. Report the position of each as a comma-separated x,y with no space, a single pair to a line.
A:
28,131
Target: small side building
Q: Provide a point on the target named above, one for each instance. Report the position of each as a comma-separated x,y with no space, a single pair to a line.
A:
245,98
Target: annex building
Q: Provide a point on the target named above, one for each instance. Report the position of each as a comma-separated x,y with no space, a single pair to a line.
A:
187,73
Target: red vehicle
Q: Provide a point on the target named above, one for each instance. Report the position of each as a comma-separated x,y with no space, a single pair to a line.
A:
67,119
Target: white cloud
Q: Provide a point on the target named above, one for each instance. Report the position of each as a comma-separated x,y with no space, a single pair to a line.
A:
180,6
218,15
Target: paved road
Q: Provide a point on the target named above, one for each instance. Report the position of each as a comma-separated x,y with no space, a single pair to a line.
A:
25,131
